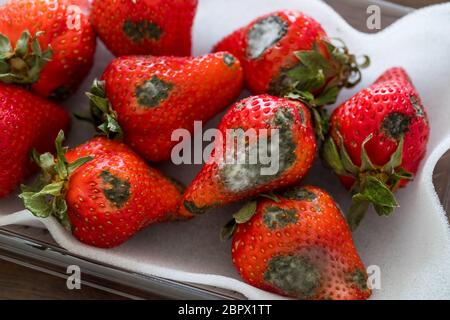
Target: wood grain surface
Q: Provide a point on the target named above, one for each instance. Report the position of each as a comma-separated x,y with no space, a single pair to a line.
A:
417,3
19,282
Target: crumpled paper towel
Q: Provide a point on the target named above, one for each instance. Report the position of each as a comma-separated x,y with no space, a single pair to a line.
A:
411,247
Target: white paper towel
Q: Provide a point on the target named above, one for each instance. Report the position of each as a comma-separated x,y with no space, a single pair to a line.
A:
411,247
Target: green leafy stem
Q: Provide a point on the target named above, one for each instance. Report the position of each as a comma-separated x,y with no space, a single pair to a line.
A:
102,114
46,196
24,63
373,184
317,80
244,215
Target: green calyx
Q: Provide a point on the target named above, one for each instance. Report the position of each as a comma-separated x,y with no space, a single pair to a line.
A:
317,80
102,114
46,196
244,215
374,185
24,63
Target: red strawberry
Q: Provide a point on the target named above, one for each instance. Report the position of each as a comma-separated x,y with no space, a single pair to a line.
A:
26,122
287,53
49,45
298,244
150,97
378,138
221,182
102,191
154,27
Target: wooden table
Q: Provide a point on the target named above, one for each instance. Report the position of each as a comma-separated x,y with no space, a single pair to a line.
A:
417,3
19,282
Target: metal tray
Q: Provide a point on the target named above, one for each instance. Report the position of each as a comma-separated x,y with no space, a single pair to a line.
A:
35,248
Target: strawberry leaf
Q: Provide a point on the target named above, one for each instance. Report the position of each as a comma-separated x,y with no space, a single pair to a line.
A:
328,96
46,160
35,46
317,79
20,65
331,157
383,210
315,62
303,96
228,230
246,212
348,68
101,103
403,174
357,211
374,192
242,216
270,195
61,163
5,47
396,158
59,211
375,184
102,113
22,43
377,192
347,162
40,202
320,118
46,195
366,163
78,163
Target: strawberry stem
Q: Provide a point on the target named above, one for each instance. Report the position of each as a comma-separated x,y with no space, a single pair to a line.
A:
102,114
22,65
374,185
318,77
46,195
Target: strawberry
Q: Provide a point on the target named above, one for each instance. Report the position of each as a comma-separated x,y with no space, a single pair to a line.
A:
377,141
298,244
147,98
287,53
26,122
221,182
101,191
46,45
153,27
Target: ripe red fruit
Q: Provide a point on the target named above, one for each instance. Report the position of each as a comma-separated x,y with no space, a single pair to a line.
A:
222,182
298,244
101,191
287,53
147,98
26,122
378,139
48,45
146,26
